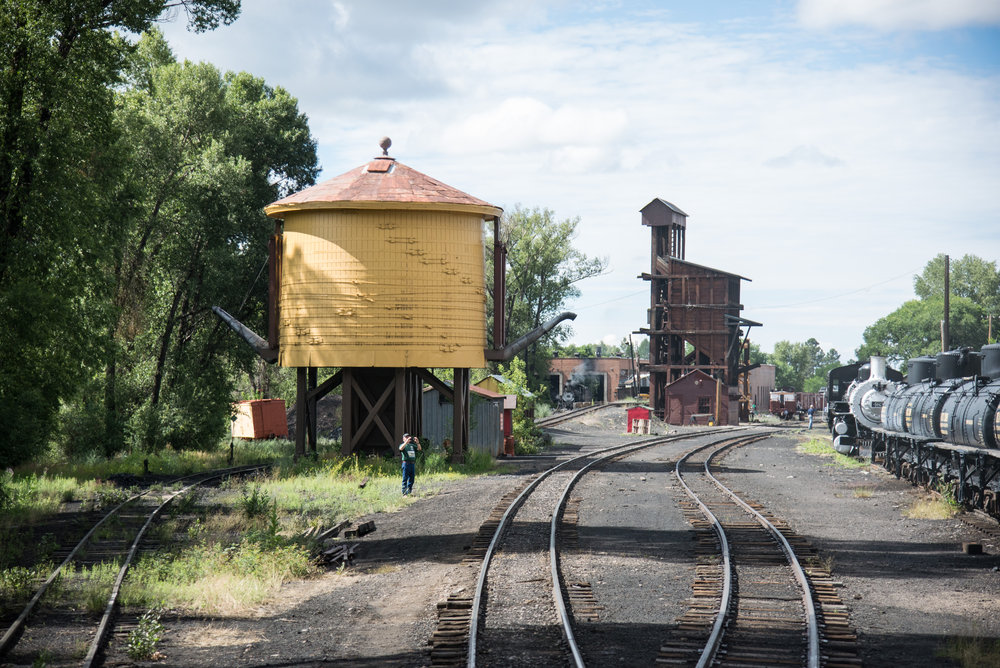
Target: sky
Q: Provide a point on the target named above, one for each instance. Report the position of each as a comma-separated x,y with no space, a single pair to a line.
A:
824,149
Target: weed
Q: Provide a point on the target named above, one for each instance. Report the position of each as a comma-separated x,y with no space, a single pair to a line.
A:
268,536
824,448
930,508
17,584
143,639
194,530
44,658
108,496
972,652
254,502
864,492
185,505
947,491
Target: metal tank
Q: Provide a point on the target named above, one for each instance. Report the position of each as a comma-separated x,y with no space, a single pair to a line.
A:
380,272
382,267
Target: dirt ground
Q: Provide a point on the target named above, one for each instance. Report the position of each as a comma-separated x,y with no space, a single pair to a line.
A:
907,583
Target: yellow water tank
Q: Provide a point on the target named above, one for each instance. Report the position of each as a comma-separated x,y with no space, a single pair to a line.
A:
382,267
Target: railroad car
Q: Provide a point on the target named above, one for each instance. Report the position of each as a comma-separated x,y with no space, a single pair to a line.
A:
783,403
940,424
787,404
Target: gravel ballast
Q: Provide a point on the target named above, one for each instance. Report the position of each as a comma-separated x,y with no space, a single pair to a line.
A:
907,583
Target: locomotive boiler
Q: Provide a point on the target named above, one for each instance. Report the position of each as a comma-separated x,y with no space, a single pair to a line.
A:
941,423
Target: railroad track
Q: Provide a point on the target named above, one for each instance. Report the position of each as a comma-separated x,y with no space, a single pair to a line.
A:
112,542
524,611
754,601
565,416
517,550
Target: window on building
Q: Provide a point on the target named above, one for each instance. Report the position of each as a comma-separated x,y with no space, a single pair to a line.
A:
704,404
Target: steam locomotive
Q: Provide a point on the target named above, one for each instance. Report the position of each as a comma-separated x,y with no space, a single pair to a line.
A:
942,424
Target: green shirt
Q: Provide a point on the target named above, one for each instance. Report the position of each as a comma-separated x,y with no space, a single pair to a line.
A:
409,452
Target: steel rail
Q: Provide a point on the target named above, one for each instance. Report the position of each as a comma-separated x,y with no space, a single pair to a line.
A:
13,632
498,532
574,413
712,646
812,625
106,620
715,638
557,596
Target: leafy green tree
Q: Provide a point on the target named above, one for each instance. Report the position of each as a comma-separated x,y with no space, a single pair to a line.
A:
914,329
797,363
60,163
208,152
528,437
971,277
642,348
543,270
758,356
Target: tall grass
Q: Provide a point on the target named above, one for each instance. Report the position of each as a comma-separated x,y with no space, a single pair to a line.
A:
235,553
975,652
824,448
215,578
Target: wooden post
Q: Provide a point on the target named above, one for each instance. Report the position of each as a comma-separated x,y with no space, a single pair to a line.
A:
301,417
399,426
460,417
718,396
347,412
311,408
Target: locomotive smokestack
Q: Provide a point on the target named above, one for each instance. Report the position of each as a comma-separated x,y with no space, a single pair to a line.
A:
878,366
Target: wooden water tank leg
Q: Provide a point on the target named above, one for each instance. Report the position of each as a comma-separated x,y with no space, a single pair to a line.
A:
313,417
399,418
347,413
301,419
416,402
460,419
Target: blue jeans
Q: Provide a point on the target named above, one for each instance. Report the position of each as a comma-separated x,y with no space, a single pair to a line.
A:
409,469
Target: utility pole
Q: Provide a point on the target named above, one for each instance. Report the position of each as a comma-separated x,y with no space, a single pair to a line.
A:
945,334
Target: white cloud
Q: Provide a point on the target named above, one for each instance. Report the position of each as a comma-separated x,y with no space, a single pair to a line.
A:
797,170
899,14
804,155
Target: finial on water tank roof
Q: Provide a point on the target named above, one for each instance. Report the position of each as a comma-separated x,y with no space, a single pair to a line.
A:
385,143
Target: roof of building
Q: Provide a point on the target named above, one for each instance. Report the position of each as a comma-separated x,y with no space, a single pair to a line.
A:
688,375
712,269
383,183
672,207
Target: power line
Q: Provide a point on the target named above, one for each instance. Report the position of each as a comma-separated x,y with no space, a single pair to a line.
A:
631,294
844,294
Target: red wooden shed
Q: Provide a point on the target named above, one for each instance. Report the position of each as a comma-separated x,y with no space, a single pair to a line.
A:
697,398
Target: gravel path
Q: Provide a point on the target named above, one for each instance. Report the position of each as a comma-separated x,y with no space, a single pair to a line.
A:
908,584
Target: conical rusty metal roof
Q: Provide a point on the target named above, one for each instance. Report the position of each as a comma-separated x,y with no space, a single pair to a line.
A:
383,183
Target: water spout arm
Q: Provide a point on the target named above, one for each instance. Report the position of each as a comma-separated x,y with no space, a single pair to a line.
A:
260,346
506,354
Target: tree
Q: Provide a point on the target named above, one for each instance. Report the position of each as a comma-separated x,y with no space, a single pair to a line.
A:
797,363
971,277
59,161
528,437
208,152
543,270
914,329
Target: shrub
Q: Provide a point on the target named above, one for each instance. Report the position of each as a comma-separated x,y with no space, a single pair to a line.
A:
143,639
